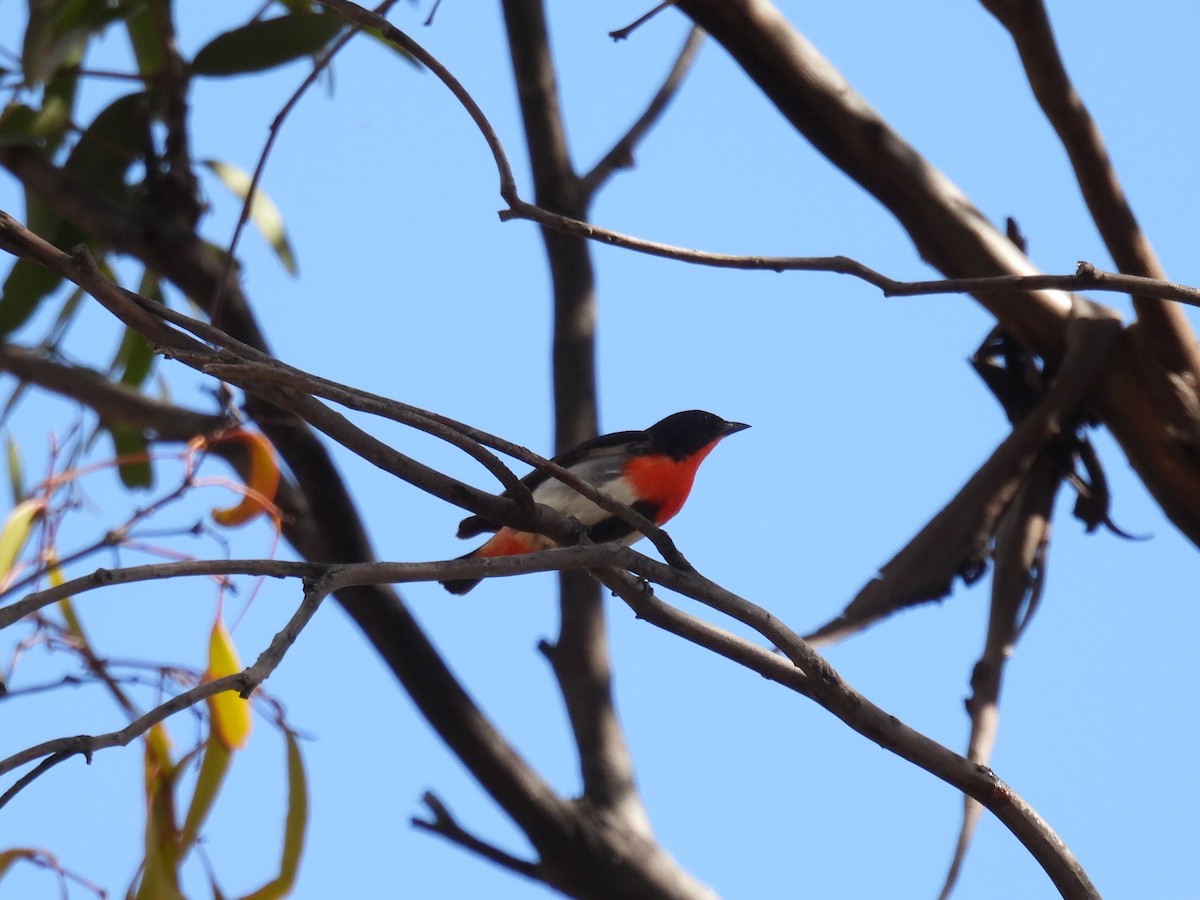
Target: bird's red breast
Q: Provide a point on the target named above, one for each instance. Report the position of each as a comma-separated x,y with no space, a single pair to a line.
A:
663,483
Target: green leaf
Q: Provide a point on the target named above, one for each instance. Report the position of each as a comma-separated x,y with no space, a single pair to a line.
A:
62,89
28,283
15,533
135,357
66,316
43,219
131,443
36,63
58,33
297,6
111,144
16,479
213,768
22,125
145,40
294,827
160,867
266,43
378,37
263,211
25,287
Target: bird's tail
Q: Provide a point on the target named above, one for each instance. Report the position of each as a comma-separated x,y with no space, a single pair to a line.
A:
460,586
504,542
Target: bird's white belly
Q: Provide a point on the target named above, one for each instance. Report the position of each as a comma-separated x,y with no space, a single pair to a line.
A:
566,500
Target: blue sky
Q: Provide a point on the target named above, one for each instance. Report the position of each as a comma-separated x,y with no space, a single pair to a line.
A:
866,420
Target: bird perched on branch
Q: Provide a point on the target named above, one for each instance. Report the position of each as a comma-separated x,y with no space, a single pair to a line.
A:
651,471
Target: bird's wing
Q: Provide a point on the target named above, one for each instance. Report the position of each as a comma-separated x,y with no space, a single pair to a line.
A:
596,461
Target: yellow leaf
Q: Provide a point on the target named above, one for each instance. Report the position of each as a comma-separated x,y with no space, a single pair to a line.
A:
263,211
158,758
260,486
65,606
8,857
15,532
230,714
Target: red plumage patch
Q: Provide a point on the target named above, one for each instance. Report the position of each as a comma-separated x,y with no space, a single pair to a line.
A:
507,542
664,483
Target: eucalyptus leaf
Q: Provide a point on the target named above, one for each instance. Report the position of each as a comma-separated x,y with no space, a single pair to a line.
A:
267,43
263,212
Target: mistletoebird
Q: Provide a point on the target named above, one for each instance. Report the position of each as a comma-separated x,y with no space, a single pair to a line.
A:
651,471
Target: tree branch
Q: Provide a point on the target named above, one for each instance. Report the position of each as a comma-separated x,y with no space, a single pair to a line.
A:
366,19
1165,331
1153,415
243,682
579,657
621,154
805,671
110,401
444,824
1017,579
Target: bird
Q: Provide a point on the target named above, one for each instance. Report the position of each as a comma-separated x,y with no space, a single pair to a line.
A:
651,471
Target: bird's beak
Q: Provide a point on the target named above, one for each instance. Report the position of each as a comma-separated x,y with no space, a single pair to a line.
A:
733,428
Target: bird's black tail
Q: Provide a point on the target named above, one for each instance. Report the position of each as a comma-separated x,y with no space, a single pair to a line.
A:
461,586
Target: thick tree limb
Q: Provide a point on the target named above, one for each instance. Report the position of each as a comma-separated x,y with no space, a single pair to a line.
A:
1165,331
580,656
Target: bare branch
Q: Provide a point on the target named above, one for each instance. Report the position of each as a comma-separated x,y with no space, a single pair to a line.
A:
1166,332
806,672
1086,277
579,657
33,775
622,33
109,400
243,682
102,578
445,824
366,19
1153,413
319,65
621,154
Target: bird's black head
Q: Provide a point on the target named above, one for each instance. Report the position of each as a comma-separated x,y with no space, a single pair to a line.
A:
682,434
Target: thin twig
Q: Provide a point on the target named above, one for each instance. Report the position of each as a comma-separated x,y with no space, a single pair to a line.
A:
100,578
622,33
322,62
32,775
243,682
621,154
445,825
366,19
1086,277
